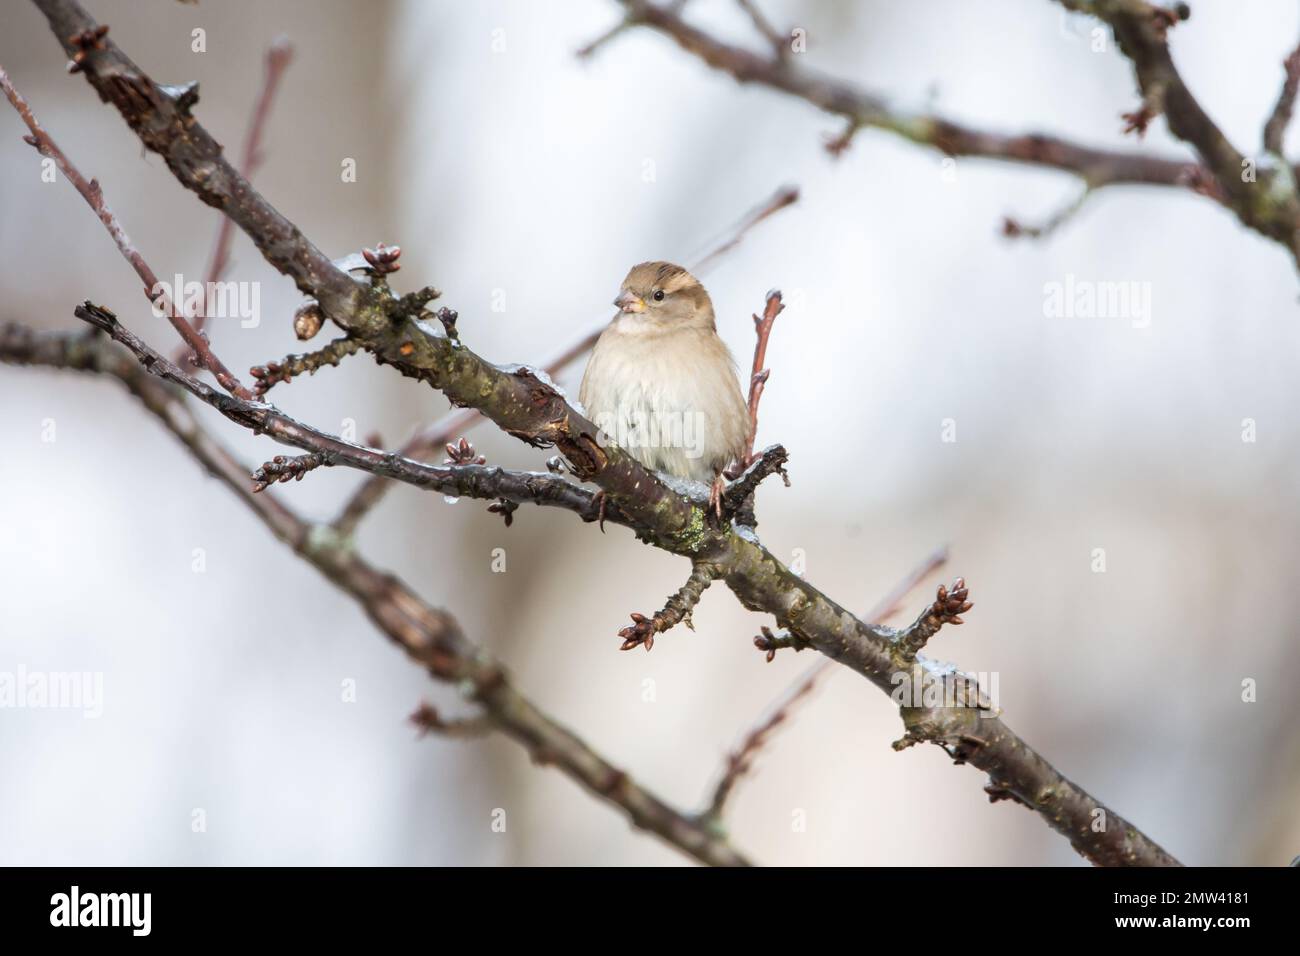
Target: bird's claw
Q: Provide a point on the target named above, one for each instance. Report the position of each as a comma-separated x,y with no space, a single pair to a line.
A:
715,496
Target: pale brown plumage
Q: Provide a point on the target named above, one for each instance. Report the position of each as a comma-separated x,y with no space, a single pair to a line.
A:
661,383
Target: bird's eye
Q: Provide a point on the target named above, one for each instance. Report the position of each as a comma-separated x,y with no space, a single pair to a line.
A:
659,295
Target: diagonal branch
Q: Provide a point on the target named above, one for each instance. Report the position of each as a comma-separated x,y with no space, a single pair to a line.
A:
865,110
429,636
161,117
741,760
1016,229
94,196
527,406
462,480
678,608
1266,202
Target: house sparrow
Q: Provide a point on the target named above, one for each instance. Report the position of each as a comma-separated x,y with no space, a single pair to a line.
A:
662,385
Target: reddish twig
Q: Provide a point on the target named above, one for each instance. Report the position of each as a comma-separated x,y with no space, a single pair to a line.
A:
759,374
641,632
94,196
1267,202
1275,128
1013,228
427,718
741,760
947,608
278,57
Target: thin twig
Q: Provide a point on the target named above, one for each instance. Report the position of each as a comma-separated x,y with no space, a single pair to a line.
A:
94,196
863,109
779,712
278,57
947,608
1015,229
678,608
587,50
468,480
272,373
1139,27
1280,118
1265,203
780,44
429,636
427,718
759,374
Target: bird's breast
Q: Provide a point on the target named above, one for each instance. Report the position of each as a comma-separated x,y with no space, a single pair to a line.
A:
672,400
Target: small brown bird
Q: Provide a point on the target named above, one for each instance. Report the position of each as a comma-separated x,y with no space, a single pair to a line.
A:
661,383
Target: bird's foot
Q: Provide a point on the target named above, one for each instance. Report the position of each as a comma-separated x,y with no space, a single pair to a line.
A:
715,496
600,498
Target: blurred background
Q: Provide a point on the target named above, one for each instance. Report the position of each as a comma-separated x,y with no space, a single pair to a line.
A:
523,182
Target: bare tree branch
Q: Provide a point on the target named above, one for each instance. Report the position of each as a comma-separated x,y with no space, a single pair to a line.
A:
771,461
760,372
461,480
778,714
780,44
429,636
946,609
1266,202
864,110
427,718
278,57
678,608
94,196
1014,229
273,373
523,404
1280,118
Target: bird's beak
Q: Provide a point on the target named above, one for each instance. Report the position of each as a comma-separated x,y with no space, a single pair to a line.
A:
627,302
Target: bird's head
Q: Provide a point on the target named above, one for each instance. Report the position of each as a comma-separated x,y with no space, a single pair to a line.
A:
664,296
